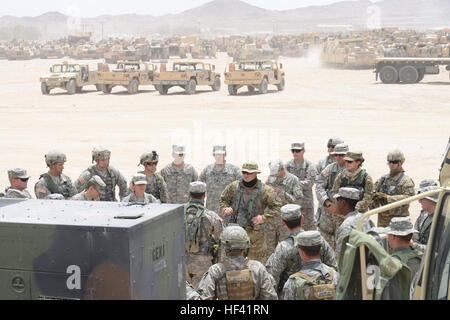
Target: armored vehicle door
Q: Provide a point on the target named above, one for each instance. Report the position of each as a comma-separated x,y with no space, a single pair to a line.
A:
202,74
84,74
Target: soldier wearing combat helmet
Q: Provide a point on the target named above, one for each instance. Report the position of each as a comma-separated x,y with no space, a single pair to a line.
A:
54,181
331,144
393,187
110,175
250,203
156,185
237,277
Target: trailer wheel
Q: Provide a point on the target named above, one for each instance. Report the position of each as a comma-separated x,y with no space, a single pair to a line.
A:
78,89
107,88
421,75
251,89
44,88
232,90
162,89
409,74
280,86
191,86
263,86
389,74
71,86
216,85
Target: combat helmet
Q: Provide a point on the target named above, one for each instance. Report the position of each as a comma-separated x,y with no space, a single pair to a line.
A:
54,156
234,237
149,156
100,153
395,155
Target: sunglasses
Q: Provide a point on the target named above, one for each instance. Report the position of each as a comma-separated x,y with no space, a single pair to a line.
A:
330,146
151,163
23,179
296,151
394,162
245,172
339,155
348,161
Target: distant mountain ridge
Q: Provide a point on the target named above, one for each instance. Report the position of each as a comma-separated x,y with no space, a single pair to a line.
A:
225,17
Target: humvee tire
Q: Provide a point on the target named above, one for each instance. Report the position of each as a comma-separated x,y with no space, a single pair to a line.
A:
216,85
263,86
71,87
421,75
107,88
190,87
78,89
408,74
44,88
162,89
389,74
280,86
251,89
232,90
133,86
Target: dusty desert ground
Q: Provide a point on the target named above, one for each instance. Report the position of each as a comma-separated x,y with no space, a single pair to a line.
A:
318,103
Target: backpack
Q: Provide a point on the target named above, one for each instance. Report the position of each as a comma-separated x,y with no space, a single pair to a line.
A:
319,289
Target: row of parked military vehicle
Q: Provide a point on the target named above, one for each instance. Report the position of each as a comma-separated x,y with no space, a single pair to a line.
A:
254,74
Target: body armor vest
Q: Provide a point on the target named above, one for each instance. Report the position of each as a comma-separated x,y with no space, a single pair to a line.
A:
240,284
244,212
359,183
64,189
109,180
390,190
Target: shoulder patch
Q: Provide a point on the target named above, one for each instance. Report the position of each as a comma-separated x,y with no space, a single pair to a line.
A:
324,173
42,190
81,180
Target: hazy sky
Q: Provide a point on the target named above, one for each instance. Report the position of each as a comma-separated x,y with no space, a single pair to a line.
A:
92,8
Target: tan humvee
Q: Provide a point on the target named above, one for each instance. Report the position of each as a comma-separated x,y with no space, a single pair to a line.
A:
255,74
187,75
70,77
128,74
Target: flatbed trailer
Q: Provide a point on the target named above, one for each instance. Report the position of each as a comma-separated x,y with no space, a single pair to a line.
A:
408,70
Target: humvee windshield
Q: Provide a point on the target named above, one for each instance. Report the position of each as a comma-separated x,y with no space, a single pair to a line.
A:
62,68
254,66
186,67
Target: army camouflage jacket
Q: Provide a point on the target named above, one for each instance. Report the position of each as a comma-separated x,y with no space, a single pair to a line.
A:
290,189
14,193
314,269
271,206
306,174
213,283
397,187
157,187
82,197
191,293
350,222
323,185
323,163
286,260
148,198
423,225
178,180
367,189
42,189
111,177
216,179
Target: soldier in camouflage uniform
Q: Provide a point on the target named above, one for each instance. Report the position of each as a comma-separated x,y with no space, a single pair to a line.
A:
329,222
138,194
237,277
156,185
54,181
203,229
244,202
393,187
354,177
288,190
423,214
94,188
286,260
110,175
301,285
428,206
191,293
306,173
178,175
217,176
18,179
332,142
347,200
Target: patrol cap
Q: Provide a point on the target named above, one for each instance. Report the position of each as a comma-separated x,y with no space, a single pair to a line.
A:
332,142
309,239
434,197
399,226
100,153
139,178
354,156
250,167
291,212
349,193
178,149
197,187
219,149
18,173
149,156
340,148
298,146
275,167
97,182
396,155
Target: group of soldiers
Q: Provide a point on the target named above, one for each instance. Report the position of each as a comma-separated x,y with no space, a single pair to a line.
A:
249,239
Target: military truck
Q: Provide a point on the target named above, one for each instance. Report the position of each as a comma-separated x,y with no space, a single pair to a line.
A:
128,74
187,75
117,54
73,250
408,70
255,74
51,52
69,77
19,54
359,262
